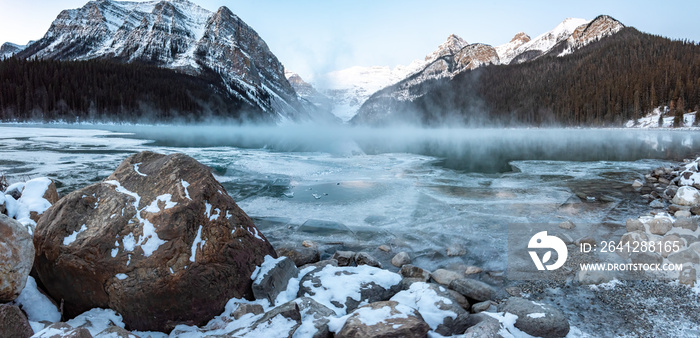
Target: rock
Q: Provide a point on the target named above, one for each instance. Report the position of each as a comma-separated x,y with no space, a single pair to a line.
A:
472,289
461,300
115,332
445,277
566,238
684,256
568,225
342,289
481,306
63,330
287,312
437,307
682,213
456,249
384,248
646,258
695,210
634,225
272,277
486,328
244,309
514,291
687,196
364,258
637,184
472,270
156,234
13,323
411,271
632,237
386,319
588,240
688,276
660,225
321,264
590,277
309,244
300,256
3,202
536,319
656,204
16,258
686,223
318,314
401,259
344,258
669,244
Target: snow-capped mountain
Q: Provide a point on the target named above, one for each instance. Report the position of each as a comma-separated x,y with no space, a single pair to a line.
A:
455,56
8,49
307,92
179,35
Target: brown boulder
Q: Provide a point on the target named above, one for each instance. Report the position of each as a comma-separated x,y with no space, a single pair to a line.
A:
16,258
159,241
13,323
386,319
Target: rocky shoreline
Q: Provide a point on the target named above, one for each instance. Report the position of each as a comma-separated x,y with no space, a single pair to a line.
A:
160,249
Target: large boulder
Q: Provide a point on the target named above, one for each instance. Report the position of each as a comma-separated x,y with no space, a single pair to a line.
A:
687,196
387,319
272,277
159,241
472,289
536,319
343,289
16,258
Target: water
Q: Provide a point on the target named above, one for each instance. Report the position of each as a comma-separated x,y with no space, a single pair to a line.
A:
417,190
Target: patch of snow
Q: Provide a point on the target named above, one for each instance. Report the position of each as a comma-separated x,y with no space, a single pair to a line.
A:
507,321
121,276
167,198
185,185
425,300
261,271
136,169
197,243
68,240
536,315
36,305
97,320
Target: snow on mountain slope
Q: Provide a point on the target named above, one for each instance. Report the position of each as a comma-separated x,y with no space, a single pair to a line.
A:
179,35
8,49
545,42
508,51
600,27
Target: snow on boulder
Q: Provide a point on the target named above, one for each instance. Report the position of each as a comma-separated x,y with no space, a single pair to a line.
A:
37,305
381,320
16,258
438,308
343,289
687,196
535,318
27,201
272,277
159,241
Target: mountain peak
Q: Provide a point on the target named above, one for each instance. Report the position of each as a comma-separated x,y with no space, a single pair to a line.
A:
521,37
451,46
600,27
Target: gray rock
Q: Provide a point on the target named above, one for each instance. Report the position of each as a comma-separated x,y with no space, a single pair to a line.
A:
588,240
411,271
688,276
687,196
695,210
682,213
461,300
289,310
13,322
472,289
637,184
660,226
481,306
269,285
301,256
401,259
404,322
364,258
473,270
669,244
568,225
320,314
487,327
16,258
445,277
646,258
456,249
684,256
656,204
536,319
244,309
344,258
686,223
384,248
416,297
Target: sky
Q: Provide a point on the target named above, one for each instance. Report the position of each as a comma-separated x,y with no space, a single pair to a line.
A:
315,37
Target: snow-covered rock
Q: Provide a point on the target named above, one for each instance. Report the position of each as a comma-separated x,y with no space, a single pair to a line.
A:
272,277
436,306
687,196
535,318
381,319
9,49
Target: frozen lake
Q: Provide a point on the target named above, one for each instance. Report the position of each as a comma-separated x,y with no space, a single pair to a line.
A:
417,190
